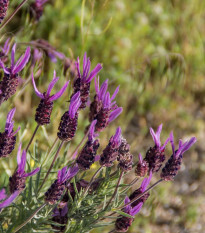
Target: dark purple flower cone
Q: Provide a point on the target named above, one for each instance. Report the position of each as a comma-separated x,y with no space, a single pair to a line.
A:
37,11
3,9
122,224
8,86
87,155
67,127
171,168
155,157
142,168
102,120
141,199
17,182
95,108
109,155
84,89
55,192
7,144
43,112
125,158
61,220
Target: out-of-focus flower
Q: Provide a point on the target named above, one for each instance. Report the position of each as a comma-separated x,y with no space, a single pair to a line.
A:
10,80
174,163
155,156
8,138
110,153
4,51
69,120
82,82
3,9
88,153
37,8
7,200
44,110
60,216
18,179
104,109
56,190
69,66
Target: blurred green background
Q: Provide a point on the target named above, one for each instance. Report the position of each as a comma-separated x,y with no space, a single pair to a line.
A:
155,51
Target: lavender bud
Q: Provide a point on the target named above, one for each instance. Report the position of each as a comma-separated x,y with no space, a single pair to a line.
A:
3,9
125,158
37,8
60,216
155,156
88,153
122,224
110,153
69,120
142,167
174,163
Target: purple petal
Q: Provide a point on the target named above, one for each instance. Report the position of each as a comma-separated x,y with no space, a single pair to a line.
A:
159,130
103,90
18,67
4,68
97,158
60,93
171,137
114,114
186,146
19,155
115,93
9,200
38,93
92,130
13,51
94,72
136,209
64,211
9,123
145,182
74,104
140,157
155,137
15,132
72,171
51,84
52,57
97,84
128,208
166,142
6,46
22,165
32,173
2,194
78,67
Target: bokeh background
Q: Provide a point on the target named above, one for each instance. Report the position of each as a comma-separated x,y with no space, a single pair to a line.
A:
155,51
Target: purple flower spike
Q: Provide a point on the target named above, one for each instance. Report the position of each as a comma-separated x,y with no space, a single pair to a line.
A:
18,179
104,109
8,137
155,156
87,155
44,110
111,152
55,192
9,200
82,82
173,165
10,80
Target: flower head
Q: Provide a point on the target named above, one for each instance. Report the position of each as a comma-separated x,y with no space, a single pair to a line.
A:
7,201
18,179
3,9
104,109
173,165
8,138
142,167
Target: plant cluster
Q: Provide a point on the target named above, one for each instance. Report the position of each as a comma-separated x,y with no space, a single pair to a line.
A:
71,202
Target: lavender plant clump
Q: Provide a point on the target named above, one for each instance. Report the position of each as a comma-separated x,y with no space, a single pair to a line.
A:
79,199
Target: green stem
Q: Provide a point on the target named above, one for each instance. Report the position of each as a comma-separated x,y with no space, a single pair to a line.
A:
13,14
27,220
51,166
34,133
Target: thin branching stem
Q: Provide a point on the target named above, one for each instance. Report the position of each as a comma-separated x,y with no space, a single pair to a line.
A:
130,185
29,219
116,189
51,166
34,133
91,181
13,14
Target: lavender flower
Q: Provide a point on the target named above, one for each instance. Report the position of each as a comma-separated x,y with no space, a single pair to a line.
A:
60,216
55,192
110,153
8,138
125,158
3,9
37,8
4,51
7,201
69,120
82,83
174,163
88,153
139,191
142,167
10,80
123,223
155,156
18,179
104,109
44,110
